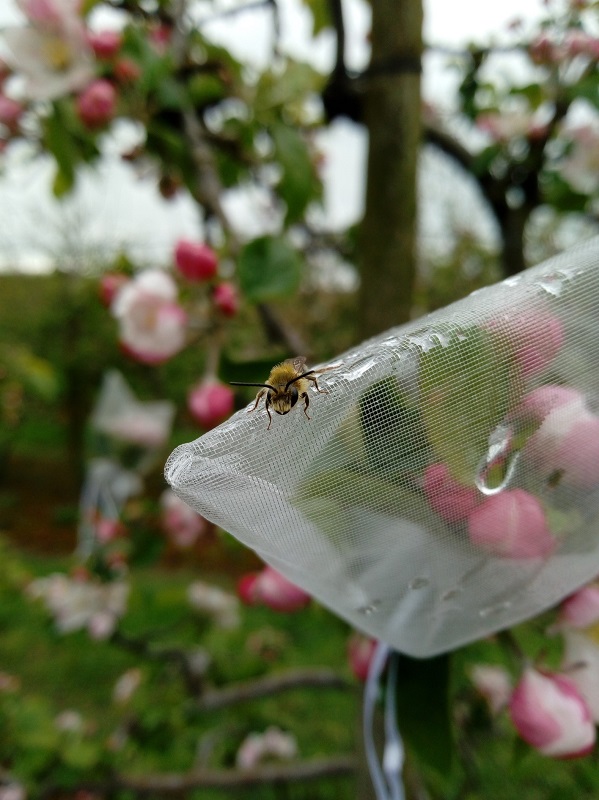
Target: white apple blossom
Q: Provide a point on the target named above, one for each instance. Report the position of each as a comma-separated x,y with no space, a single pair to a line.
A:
580,166
221,606
272,744
77,604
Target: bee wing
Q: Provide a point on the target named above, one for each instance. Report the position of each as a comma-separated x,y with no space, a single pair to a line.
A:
298,363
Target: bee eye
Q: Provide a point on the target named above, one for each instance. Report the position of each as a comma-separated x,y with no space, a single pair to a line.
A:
293,396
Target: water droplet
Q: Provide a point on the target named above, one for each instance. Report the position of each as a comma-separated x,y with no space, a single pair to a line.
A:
418,583
494,610
369,608
451,594
553,284
496,467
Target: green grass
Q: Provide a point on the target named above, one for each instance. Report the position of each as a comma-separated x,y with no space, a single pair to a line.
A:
70,672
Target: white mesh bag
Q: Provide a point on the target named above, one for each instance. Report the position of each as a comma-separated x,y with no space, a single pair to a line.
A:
447,486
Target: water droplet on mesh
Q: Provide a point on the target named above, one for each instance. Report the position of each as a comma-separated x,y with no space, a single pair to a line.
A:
553,284
496,467
418,583
494,610
451,594
369,608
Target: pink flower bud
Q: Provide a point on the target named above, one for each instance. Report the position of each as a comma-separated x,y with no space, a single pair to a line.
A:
96,105
245,588
535,337
581,609
550,714
566,445
210,403
110,283
511,524
539,403
272,589
450,499
226,299
360,650
109,529
195,260
182,524
105,44
494,684
126,70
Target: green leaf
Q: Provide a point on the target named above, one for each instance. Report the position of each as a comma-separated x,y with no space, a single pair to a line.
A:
466,382
298,184
423,713
394,436
558,193
321,17
268,268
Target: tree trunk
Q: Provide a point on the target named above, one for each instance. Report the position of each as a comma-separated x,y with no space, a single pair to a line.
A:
387,249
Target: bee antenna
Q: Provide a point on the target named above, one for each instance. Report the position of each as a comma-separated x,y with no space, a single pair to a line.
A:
297,378
262,385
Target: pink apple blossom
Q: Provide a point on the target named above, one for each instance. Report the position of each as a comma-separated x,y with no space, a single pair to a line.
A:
566,444
550,714
580,662
96,105
580,609
360,650
226,298
153,325
450,499
493,683
196,261
504,126
511,524
52,53
210,403
182,524
272,589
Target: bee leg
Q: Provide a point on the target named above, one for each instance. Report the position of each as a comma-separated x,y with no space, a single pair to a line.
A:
306,399
259,397
267,406
315,382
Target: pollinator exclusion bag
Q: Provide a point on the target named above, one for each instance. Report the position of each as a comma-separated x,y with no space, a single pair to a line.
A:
447,486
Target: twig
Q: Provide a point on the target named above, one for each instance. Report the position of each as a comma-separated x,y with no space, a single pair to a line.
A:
171,784
272,684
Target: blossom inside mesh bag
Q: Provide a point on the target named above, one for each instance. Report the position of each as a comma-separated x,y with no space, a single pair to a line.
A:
447,486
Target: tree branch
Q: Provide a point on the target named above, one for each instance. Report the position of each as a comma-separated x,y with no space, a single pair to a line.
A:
272,684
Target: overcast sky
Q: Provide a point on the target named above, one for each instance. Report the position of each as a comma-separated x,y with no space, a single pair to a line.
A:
115,206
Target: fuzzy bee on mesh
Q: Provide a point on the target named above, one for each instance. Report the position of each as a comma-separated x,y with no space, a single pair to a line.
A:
287,383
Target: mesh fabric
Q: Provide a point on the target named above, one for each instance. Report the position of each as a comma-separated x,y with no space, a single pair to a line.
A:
447,486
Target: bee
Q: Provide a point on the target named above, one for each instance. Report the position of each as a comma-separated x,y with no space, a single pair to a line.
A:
287,383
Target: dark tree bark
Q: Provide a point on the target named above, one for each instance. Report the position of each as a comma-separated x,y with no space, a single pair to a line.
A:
387,245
